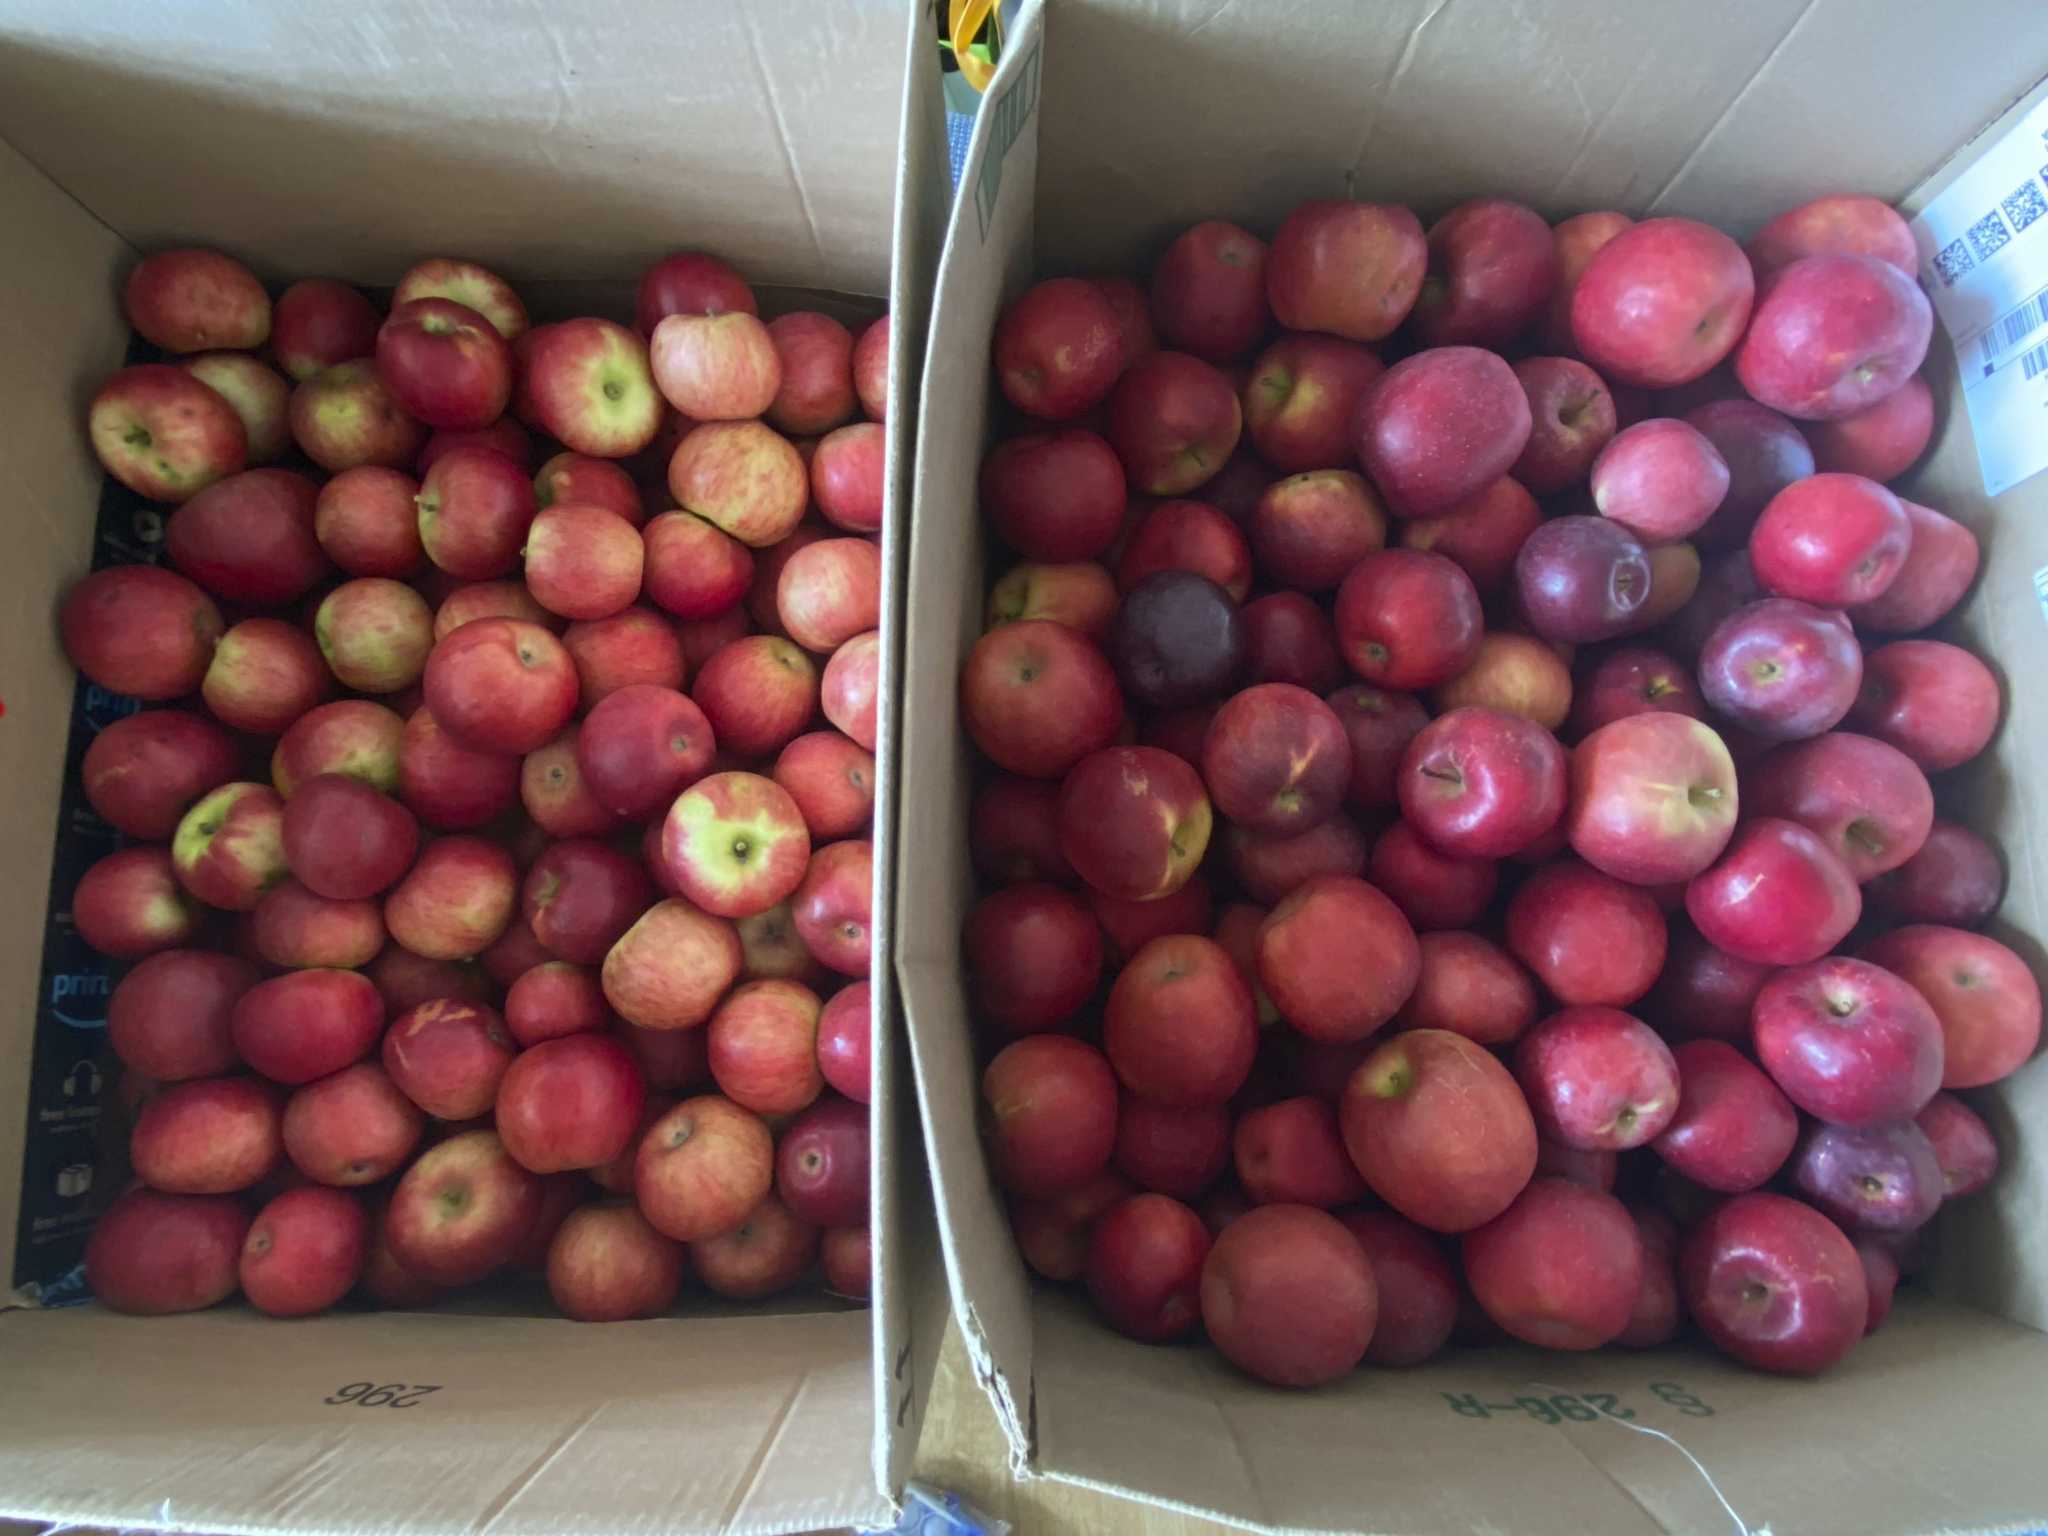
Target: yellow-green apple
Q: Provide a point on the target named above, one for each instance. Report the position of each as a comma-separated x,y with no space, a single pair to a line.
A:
345,416
735,843
586,383
742,476
229,848
466,283
259,394
1081,595
376,634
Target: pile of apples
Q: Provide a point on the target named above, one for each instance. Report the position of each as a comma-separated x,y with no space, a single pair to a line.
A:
465,937
1460,831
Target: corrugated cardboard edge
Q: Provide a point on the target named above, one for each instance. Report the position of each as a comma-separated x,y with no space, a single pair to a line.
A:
909,1310
991,1298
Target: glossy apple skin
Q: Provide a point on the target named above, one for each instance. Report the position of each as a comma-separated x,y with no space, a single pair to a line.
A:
1034,957
1057,349
153,1253
1482,783
1407,619
1276,759
1583,579
1866,800
1439,1129
821,1170
1662,302
1777,896
1833,335
1782,669
1935,702
1572,421
445,364
1337,957
1833,540
1288,1296
305,1251
1037,698
1704,992
1985,996
1956,879
1589,938
1842,223
570,1103
1653,798
1174,421
1182,535
1734,1127
1054,496
1470,986
1350,269
1881,1178
1775,1284
1144,1267
1561,1267
1597,1079
1051,1114
1661,478
640,746
1849,1041
1939,566
1439,427
1180,1027
1134,821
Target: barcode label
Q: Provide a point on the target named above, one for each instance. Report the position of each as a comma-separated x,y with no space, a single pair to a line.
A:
2035,363
2008,331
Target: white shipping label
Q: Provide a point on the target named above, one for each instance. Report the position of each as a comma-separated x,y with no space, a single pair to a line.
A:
1984,262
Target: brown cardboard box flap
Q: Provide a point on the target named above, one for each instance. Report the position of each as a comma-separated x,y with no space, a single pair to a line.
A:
541,1426
1110,125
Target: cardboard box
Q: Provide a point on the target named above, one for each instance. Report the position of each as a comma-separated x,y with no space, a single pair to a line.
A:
1112,125
566,149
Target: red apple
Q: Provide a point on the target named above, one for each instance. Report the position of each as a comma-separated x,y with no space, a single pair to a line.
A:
345,841
1597,1079
475,510
209,1136
1134,821
1935,702
229,848
1309,530
352,737
1964,1146
816,356
1338,958
1881,441
871,368
1782,669
1433,890
1470,986
1576,241
606,1264
501,685
577,479
1350,269
689,283
1653,798
1439,427
404,979
345,416
834,906
503,436
1209,292
1881,1179
1866,800
1187,536
140,631
1492,268
460,1212
1833,540
448,1057
1276,759
194,300
450,786
1172,1151
1776,897
1840,224
1956,879
1482,784
821,1165
769,1252
831,780
307,1024
1271,867
1034,957
1037,698
366,522
670,968
1380,725
847,477
1662,479
640,746
1560,1268
570,1103
1832,335
1057,349
473,600
636,645
152,1253
1180,1027
1662,302
143,771
305,1252
1439,1130
1517,674
456,900
581,896
722,367
1289,1296
1629,681
1144,1267
1571,420
1300,397
830,591
1418,1289
1775,1284
164,433
1407,619
466,283
759,693
1173,421
736,844
1054,496
1052,1233
1292,1153
293,927
168,1018
583,562
259,396
1940,563
352,1128
1987,1000
318,322
702,1168
1704,991
444,364
1582,579
1764,453
1052,1106
849,692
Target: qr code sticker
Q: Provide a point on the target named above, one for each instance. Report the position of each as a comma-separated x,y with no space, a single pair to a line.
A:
1989,236
2024,205
1952,261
